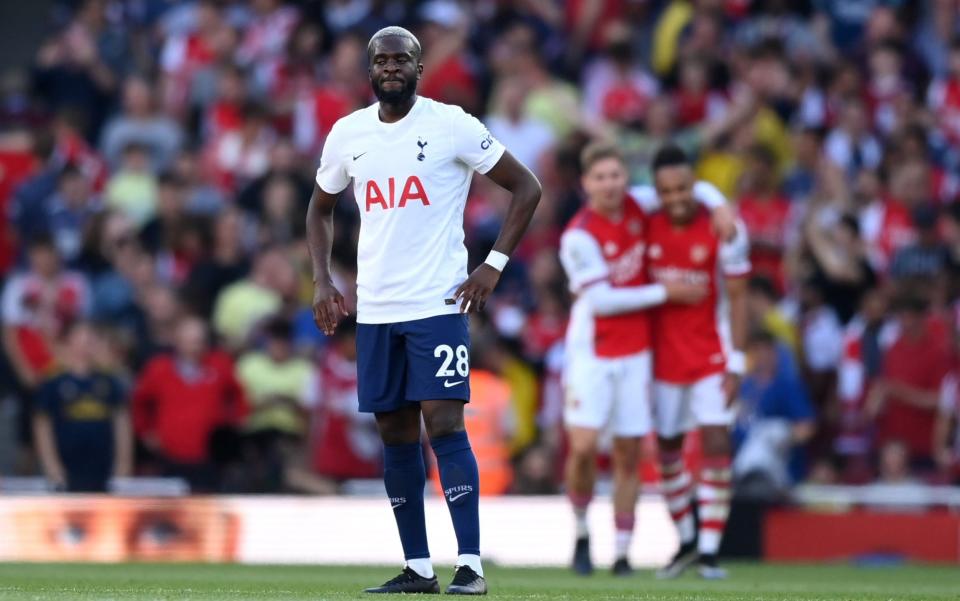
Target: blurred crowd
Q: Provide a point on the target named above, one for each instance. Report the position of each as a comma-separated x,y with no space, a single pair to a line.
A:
156,159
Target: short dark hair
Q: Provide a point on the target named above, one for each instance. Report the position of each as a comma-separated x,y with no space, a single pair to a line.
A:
398,32
952,211
670,155
68,171
763,285
597,151
42,240
278,327
761,336
910,302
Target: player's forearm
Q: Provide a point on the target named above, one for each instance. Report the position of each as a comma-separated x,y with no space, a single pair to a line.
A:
320,235
526,197
606,300
737,299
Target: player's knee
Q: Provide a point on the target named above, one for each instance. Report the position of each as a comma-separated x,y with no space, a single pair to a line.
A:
671,443
397,429
443,423
583,451
626,458
715,441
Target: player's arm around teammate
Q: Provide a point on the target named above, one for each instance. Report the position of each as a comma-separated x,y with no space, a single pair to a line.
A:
607,367
698,358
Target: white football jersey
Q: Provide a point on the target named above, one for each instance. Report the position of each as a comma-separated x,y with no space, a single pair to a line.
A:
410,180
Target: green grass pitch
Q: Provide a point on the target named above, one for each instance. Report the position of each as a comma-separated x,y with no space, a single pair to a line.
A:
156,582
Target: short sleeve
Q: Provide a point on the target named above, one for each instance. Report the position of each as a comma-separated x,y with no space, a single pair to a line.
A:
645,197
708,195
473,143
332,176
735,253
582,260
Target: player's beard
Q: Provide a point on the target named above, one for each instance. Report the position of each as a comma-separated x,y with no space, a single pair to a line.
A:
396,96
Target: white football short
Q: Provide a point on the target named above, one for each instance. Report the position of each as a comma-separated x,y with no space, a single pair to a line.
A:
609,394
679,408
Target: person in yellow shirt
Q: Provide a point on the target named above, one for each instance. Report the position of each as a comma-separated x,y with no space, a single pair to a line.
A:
764,314
280,386
242,305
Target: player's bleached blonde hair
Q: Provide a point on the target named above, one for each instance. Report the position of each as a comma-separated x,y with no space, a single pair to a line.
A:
394,31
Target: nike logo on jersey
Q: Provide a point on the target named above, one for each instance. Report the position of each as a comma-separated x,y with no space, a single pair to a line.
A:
455,497
449,384
359,155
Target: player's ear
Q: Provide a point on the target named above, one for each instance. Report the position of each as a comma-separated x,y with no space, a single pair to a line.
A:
419,70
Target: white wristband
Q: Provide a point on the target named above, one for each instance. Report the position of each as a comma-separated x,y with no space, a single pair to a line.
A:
497,260
736,362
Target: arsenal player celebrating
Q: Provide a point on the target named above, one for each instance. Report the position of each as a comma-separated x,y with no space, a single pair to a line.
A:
607,363
697,357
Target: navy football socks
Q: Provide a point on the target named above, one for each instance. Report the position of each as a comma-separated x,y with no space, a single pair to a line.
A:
461,486
404,475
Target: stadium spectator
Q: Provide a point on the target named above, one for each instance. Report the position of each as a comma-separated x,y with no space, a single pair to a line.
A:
775,419
765,313
132,189
838,261
64,214
81,424
240,306
895,482
905,395
139,124
766,213
924,262
226,263
36,306
343,442
946,442
529,137
157,232
182,399
280,387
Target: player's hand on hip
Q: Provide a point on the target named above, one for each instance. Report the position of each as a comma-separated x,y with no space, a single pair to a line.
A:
685,293
731,387
725,222
473,293
328,307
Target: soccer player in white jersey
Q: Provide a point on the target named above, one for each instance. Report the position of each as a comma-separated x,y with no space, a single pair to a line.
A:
411,160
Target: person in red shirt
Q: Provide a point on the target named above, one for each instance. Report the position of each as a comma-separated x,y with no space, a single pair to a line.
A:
943,97
183,400
904,396
607,360
698,357
766,213
344,443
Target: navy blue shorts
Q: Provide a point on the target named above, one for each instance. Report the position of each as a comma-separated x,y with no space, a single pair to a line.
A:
411,361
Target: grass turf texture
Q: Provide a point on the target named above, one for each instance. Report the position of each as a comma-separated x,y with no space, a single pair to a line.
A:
161,582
